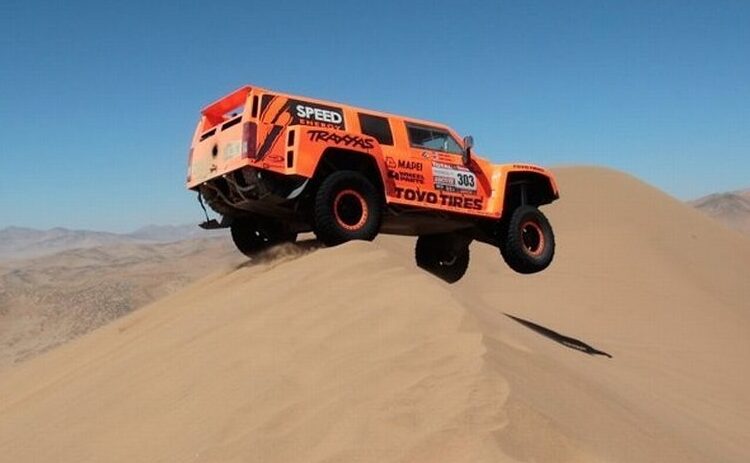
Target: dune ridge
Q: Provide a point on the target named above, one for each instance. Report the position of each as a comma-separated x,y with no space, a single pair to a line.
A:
352,354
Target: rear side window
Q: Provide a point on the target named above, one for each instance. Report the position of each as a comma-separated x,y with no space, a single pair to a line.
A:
431,138
376,127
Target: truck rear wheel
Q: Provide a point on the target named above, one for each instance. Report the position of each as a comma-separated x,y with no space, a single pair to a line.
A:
443,255
252,236
527,242
347,207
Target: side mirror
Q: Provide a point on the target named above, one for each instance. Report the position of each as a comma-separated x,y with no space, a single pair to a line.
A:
468,144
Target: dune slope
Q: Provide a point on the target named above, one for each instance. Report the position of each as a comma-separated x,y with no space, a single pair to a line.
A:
352,354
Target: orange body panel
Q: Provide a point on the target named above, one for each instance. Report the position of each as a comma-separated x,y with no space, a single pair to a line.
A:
288,135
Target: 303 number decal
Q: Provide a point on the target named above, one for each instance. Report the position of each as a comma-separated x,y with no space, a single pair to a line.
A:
466,180
451,177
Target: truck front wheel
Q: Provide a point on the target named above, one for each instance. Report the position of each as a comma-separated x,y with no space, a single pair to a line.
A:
347,207
526,240
445,256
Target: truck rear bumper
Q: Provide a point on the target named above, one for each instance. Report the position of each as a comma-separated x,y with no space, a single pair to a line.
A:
253,190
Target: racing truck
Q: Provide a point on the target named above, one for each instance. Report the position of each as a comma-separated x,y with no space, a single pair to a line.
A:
274,165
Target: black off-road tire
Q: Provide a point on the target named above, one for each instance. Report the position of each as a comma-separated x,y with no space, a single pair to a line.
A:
252,236
526,240
439,255
347,207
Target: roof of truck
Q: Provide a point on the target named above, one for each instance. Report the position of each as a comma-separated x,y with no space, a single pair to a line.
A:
347,105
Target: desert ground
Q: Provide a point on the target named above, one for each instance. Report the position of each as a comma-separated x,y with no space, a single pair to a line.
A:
632,347
48,300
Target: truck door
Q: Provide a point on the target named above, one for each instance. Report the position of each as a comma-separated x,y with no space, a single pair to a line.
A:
454,185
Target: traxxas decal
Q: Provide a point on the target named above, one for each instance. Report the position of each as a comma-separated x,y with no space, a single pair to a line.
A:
354,141
318,115
443,199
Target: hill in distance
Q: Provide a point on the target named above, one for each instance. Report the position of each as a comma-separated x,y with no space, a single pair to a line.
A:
48,300
172,233
23,243
731,208
353,354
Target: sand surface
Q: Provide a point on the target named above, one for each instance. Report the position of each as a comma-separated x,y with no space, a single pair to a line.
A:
352,354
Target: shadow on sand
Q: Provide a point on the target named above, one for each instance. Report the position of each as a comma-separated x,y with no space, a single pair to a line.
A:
559,338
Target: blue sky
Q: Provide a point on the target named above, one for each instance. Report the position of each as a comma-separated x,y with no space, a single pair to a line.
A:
98,101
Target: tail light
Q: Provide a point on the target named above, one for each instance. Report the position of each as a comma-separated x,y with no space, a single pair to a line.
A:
249,139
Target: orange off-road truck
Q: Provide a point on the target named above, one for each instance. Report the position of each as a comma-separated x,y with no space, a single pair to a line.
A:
274,165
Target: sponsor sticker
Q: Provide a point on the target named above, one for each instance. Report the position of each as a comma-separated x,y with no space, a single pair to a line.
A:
275,159
453,178
408,177
318,115
528,167
354,141
430,155
232,150
404,170
443,199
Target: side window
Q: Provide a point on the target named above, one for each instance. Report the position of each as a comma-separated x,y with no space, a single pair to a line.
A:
432,138
376,127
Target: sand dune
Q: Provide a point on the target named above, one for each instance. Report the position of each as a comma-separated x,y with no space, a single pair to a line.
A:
352,354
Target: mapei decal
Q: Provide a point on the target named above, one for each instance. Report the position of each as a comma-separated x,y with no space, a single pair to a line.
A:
353,141
443,199
404,164
318,115
453,178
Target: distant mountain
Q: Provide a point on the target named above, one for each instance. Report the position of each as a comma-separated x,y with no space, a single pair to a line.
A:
24,243
732,208
20,242
170,233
